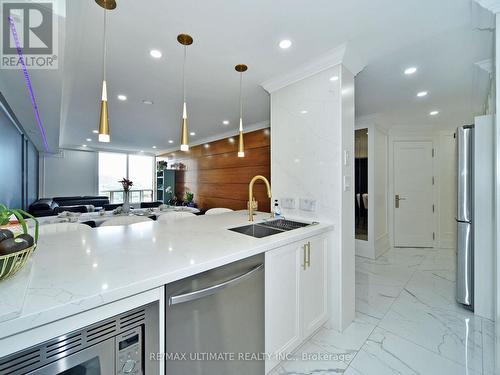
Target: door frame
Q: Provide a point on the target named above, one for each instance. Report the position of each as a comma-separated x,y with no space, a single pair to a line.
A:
410,138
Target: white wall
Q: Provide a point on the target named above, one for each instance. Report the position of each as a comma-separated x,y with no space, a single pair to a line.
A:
484,217
497,177
69,173
307,162
380,145
446,179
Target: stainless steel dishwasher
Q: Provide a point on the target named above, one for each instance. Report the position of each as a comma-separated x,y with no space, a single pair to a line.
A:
215,321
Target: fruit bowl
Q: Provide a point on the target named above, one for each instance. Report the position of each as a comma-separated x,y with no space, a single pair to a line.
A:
12,263
16,233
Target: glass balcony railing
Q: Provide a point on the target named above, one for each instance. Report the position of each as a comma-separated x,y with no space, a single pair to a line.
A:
136,196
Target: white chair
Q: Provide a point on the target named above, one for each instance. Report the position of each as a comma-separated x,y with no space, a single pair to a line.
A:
174,215
219,210
124,220
365,201
63,227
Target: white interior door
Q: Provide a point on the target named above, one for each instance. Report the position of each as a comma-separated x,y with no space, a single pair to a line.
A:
413,194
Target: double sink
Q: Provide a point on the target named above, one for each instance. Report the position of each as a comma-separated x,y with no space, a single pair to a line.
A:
269,228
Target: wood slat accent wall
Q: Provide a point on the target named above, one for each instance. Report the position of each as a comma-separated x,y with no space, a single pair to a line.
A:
218,178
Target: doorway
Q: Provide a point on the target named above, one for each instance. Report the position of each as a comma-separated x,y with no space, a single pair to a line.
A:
413,201
361,184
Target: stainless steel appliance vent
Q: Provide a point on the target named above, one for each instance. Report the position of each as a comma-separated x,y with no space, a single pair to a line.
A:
23,362
132,320
20,363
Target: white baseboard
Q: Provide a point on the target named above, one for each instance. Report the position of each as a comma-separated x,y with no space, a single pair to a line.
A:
364,249
447,240
368,249
382,244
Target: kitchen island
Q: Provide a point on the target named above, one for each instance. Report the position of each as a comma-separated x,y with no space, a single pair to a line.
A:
80,274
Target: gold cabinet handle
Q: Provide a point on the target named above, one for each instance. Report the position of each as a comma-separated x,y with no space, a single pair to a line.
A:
309,254
304,266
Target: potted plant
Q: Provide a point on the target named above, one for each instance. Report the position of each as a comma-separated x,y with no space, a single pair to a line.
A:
126,184
18,225
189,199
161,165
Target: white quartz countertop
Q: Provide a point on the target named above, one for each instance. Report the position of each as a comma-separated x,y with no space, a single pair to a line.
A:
77,271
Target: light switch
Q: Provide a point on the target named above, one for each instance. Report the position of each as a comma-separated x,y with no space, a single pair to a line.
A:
346,157
307,204
288,203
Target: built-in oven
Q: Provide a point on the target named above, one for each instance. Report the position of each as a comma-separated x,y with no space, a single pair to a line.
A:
119,345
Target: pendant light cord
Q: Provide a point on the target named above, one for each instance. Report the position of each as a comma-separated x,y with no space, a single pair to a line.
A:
105,48
184,74
241,101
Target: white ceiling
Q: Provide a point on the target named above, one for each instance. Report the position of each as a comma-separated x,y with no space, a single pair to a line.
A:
385,35
456,87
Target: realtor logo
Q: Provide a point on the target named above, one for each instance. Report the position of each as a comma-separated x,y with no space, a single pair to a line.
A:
29,34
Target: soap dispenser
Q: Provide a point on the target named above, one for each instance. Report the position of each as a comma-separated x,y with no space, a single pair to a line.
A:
276,209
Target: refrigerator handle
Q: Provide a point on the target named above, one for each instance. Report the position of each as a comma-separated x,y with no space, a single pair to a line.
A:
191,296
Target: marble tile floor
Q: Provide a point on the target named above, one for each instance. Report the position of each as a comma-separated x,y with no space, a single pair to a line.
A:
407,322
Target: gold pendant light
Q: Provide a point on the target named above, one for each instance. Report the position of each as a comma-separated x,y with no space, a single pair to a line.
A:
241,144
104,133
185,40
106,4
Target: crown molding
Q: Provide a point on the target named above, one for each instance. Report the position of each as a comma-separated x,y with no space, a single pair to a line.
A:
328,60
491,5
230,133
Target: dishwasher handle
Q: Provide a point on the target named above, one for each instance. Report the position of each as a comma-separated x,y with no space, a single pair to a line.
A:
191,296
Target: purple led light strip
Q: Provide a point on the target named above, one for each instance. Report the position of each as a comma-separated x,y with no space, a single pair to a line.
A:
28,84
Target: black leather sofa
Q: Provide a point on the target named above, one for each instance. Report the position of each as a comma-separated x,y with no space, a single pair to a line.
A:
151,204
53,206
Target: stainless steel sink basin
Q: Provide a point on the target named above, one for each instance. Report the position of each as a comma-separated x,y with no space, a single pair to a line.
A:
255,230
268,228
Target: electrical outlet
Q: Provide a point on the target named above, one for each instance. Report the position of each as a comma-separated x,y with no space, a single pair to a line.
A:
307,204
288,203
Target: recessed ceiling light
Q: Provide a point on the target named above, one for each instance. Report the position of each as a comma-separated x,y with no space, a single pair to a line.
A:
334,78
206,145
154,146
225,122
170,141
95,131
285,43
155,53
89,139
84,145
122,97
411,70
421,94
434,113
192,133
148,102
303,112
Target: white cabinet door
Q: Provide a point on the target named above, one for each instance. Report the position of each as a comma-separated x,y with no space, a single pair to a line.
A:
282,325
313,285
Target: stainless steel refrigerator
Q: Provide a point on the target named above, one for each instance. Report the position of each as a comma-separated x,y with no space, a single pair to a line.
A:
465,215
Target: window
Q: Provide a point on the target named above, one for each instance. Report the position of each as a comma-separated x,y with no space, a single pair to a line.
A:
115,166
